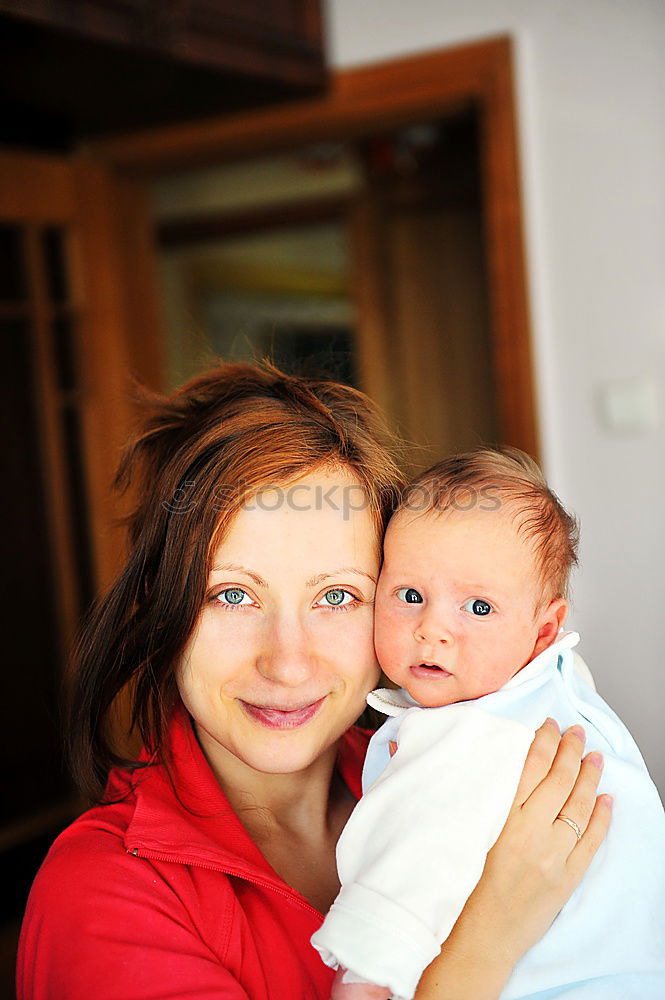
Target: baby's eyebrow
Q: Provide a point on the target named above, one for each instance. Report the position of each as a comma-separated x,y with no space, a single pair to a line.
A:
315,580
480,589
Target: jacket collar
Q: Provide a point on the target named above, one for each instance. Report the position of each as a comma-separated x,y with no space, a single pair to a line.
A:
182,814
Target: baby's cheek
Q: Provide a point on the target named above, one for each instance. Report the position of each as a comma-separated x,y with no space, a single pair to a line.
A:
389,639
500,673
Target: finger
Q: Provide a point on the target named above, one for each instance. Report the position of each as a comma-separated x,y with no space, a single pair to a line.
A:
538,761
584,852
555,788
579,805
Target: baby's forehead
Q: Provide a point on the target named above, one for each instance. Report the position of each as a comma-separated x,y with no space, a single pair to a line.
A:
504,527
507,519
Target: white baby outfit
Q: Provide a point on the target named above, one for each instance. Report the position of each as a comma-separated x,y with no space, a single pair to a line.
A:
416,843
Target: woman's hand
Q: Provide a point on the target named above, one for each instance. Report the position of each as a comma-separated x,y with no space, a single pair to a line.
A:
530,872
537,861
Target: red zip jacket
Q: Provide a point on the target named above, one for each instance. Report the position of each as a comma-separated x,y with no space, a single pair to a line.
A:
165,895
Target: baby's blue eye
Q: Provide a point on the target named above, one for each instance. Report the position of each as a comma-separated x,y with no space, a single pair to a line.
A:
336,598
233,596
409,595
478,607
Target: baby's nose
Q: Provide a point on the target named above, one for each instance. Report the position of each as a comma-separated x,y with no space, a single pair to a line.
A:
433,629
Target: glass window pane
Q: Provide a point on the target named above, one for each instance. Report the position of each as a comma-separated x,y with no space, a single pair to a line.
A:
56,263
12,264
78,504
64,353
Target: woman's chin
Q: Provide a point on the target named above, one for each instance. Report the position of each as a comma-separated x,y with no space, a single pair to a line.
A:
284,755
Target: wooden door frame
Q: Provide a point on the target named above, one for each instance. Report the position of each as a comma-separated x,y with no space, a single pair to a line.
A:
384,96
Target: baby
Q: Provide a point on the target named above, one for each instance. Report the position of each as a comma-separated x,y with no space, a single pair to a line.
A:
469,613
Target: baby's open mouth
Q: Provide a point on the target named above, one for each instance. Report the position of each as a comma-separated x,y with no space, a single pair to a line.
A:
429,670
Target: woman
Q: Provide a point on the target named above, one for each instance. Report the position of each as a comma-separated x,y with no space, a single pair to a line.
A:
241,632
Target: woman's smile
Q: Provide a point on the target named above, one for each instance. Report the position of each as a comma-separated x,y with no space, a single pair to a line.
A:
275,717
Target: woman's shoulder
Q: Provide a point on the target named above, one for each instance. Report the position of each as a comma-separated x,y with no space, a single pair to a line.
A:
86,863
113,848
95,904
95,837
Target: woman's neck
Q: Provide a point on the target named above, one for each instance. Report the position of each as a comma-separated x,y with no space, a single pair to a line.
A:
296,802
294,819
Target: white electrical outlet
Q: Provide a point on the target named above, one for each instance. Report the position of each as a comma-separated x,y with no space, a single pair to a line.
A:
630,404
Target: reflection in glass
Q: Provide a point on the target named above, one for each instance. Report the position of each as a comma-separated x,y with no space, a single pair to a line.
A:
63,351
78,504
53,244
12,265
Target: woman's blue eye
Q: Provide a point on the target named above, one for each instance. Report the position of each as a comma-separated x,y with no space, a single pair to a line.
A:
233,596
409,595
478,607
337,598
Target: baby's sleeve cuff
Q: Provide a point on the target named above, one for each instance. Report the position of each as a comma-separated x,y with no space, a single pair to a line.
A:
391,947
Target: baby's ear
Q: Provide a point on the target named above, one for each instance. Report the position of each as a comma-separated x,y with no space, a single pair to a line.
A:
550,621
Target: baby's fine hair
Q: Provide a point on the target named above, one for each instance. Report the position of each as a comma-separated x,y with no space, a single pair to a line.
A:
485,479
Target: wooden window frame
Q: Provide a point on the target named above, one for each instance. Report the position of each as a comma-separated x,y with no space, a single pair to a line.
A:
386,96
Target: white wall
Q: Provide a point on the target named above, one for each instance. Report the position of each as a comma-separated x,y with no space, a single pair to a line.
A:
591,96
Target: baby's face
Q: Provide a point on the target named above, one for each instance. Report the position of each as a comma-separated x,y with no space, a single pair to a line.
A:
455,605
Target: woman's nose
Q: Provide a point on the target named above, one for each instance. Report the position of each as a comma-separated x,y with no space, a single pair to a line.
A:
286,657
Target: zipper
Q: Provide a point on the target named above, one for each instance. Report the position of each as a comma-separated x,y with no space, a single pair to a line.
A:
291,894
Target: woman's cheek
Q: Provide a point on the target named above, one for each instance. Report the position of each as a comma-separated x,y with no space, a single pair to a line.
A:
361,629
352,645
217,651
230,633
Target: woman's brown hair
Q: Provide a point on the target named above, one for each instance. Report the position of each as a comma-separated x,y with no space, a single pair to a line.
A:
227,434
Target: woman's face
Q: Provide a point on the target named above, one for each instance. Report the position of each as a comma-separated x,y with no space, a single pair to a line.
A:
282,657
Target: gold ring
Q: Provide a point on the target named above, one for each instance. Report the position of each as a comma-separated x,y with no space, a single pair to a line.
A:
572,824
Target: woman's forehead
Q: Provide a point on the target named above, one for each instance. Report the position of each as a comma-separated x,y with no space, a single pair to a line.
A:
322,513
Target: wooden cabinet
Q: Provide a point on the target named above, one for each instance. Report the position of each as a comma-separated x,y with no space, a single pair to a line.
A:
74,328
79,68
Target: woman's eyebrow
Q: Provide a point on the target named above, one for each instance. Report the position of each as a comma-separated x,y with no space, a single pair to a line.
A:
237,568
315,580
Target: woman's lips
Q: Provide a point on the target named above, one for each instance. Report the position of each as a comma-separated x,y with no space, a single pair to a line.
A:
426,671
280,718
